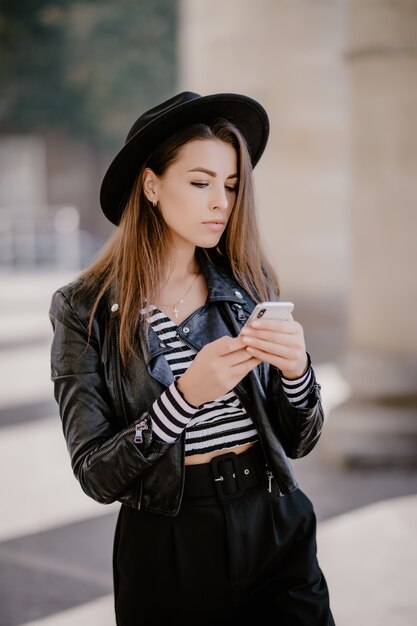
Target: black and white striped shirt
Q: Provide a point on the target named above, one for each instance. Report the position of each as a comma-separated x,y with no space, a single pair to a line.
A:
222,423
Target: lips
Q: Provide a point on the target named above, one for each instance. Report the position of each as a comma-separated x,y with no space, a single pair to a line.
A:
216,226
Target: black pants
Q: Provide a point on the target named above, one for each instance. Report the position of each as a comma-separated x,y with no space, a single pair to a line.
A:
233,557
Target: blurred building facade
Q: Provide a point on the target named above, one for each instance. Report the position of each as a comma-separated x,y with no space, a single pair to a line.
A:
68,94
337,186
44,181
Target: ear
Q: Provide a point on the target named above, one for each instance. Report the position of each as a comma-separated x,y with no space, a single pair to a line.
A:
150,184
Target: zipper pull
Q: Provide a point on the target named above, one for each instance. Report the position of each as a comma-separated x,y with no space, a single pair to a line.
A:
139,428
239,312
270,477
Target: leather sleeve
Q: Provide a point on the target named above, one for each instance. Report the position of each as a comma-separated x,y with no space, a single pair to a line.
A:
299,429
105,458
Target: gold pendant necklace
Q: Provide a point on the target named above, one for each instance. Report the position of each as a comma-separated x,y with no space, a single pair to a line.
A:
175,307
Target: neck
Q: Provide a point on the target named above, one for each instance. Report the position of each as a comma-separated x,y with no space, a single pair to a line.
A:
182,263
181,292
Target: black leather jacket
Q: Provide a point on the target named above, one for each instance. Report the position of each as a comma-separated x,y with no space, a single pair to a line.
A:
103,406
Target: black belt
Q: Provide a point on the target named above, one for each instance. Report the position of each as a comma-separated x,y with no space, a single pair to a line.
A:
226,476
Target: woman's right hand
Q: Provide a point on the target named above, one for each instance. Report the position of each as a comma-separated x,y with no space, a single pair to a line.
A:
216,369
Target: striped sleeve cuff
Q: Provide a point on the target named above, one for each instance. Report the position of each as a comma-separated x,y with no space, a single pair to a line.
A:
299,389
170,414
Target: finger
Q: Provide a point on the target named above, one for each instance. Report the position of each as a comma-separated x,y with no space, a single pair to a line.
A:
235,358
277,361
270,335
270,347
245,367
283,326
226,345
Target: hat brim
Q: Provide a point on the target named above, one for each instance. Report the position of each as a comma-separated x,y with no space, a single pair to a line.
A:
247,114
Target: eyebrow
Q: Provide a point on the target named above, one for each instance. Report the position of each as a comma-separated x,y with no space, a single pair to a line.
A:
209,172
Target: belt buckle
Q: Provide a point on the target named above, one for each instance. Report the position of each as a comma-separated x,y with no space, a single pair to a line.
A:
219,478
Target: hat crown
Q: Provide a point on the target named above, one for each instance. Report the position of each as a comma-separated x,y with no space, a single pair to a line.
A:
160,109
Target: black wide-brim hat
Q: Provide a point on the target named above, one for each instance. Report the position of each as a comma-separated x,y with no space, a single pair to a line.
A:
157,124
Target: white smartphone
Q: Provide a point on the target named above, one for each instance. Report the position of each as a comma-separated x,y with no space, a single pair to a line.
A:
271,310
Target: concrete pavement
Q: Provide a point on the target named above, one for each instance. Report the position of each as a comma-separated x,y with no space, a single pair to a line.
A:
55,553
370,559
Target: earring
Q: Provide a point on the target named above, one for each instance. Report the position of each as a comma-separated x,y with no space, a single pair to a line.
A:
155,202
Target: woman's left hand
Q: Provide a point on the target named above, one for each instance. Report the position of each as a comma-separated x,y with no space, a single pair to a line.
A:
278,342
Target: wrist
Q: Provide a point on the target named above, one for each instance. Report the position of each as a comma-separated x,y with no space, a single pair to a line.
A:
184,392
298,372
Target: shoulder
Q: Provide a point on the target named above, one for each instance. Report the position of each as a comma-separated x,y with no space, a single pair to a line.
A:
73,301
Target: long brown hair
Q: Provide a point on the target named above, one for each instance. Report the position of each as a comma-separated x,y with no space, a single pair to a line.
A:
133,264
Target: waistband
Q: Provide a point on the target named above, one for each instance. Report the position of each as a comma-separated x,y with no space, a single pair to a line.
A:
227,476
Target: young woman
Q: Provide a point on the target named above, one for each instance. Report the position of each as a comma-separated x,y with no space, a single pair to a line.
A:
170,404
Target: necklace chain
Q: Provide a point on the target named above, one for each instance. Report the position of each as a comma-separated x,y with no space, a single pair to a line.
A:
175,307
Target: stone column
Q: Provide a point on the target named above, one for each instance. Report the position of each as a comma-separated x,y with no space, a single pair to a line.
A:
378,425
288,54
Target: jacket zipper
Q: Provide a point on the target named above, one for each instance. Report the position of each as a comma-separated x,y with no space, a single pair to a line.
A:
136,428
139,428
270,476
138,438
119,374
239,312
187,343
97,455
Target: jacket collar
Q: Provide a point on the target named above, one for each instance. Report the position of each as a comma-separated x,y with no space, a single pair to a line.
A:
221,285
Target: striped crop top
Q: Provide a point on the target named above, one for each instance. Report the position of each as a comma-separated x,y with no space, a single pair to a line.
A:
222,423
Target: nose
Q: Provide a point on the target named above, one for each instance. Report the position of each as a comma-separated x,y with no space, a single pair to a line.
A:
220,199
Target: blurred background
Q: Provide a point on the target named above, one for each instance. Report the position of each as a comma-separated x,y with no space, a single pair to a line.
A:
337,197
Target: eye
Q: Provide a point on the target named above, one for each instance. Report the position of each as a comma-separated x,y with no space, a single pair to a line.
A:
231,189
200,185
